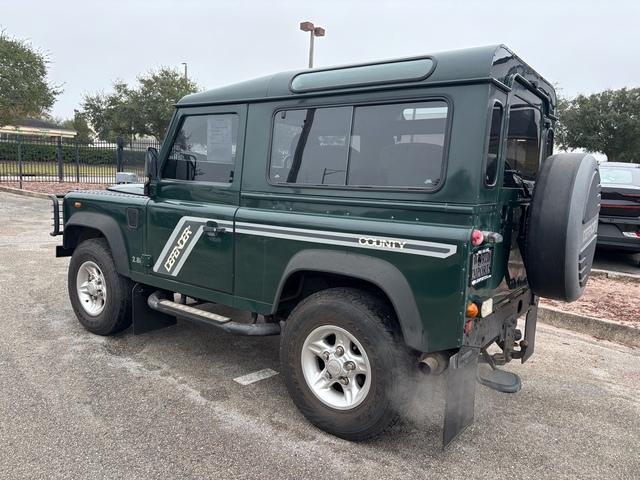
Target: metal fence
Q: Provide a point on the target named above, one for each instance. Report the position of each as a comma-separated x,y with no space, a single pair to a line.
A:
26,159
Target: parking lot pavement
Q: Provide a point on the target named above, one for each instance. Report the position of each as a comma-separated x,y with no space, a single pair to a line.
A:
165,405
617,261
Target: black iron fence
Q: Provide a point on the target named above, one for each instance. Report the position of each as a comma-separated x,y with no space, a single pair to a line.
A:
26,159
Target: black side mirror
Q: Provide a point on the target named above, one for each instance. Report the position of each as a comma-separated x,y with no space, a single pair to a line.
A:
150,167
151,163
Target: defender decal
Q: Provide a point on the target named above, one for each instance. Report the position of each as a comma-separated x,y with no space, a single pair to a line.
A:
175,253
181,242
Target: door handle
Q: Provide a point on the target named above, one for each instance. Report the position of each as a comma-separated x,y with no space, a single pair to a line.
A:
213,230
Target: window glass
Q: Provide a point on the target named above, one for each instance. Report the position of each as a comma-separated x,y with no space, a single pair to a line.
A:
494,145
398,145
311,146
523,139
405,70
619,175
204,149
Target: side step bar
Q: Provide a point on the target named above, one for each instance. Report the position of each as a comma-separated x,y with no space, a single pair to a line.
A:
157,302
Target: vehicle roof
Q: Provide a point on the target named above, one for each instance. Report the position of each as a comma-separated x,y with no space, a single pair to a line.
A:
620,164
494,62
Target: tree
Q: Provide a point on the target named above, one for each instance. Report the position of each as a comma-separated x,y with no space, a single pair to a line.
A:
143,110
155,99
607,122
24,90
112,115
79,124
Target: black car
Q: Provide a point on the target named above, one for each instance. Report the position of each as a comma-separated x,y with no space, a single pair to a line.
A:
619,226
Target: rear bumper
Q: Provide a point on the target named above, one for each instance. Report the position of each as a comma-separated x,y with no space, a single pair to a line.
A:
501,325
610,235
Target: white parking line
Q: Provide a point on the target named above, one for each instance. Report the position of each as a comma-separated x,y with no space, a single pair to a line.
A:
255,376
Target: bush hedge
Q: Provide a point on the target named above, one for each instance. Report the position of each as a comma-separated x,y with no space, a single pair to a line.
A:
46,152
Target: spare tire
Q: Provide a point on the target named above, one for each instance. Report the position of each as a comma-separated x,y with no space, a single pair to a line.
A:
562,226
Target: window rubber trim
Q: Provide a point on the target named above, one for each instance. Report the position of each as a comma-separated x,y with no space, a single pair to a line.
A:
445,151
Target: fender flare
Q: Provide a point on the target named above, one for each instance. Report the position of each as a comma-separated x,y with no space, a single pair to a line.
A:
381,273
105,225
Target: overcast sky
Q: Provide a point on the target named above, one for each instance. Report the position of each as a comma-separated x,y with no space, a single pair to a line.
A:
584,46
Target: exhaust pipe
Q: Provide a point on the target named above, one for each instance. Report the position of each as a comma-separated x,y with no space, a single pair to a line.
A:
433,363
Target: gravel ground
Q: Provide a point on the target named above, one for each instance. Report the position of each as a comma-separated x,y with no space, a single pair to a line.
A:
55,187
614,299
164,405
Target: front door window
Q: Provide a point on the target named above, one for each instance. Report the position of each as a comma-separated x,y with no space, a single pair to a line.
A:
204,149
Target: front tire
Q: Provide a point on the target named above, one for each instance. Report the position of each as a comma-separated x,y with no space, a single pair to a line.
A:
344,363
100,297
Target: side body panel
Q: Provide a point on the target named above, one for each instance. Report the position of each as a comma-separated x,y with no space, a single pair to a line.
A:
112,214
356,222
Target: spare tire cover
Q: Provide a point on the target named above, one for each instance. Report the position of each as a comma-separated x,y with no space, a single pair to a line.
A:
562,226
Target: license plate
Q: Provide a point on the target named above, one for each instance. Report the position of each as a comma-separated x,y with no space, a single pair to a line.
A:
481,265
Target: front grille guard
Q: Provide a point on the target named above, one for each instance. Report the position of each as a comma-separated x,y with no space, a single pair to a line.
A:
57,219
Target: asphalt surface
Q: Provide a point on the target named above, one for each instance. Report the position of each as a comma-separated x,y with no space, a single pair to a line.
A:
617,261
164,404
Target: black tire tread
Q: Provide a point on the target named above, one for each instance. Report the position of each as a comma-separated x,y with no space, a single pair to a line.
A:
119,298
373,307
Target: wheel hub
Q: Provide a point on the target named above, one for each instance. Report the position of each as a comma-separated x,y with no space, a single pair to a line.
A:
91,288
336,367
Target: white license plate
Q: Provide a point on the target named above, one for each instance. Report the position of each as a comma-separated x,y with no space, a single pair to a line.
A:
481,265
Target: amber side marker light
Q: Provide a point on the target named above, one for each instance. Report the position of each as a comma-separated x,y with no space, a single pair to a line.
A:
472,310
77,204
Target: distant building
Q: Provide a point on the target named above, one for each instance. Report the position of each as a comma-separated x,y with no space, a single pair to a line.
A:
36,128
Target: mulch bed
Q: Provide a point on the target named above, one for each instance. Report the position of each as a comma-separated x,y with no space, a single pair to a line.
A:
615,299
55,188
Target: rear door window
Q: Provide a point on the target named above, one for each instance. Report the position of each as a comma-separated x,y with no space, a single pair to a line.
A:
523,139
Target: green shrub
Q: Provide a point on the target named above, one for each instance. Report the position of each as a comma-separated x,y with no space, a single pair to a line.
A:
87,154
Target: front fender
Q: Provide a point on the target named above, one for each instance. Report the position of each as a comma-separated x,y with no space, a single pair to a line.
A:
374,270
107,226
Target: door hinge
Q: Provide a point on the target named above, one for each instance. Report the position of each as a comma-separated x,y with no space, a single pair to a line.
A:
147,261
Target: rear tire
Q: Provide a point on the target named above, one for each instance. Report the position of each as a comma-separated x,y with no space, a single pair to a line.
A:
100,297
376,389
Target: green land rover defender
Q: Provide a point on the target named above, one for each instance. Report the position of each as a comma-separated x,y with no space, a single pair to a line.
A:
385,219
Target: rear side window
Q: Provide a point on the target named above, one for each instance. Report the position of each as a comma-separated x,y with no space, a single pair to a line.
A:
391,145
523,140
204,149
493,150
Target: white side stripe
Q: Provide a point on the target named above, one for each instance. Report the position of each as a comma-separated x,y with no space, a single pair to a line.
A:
354,240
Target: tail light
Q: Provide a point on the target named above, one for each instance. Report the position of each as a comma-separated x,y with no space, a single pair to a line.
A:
477,237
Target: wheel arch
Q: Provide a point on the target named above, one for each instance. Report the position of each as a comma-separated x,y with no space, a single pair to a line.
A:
379,273
84,225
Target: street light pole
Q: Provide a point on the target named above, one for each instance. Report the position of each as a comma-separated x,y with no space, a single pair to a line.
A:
313,32
311,39
185,70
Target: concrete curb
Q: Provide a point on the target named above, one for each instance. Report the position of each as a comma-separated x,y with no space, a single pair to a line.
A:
604,329
616,275
26,193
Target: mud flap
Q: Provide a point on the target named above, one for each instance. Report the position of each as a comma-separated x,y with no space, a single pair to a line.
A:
145,319
461,393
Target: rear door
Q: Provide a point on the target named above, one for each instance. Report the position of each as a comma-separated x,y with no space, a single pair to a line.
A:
523,156
190,218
